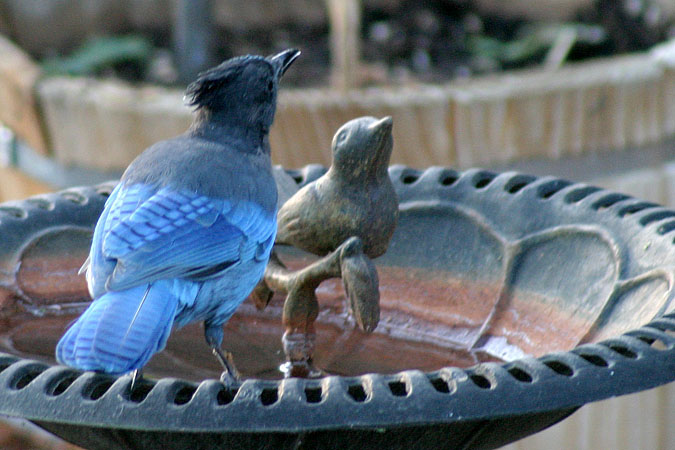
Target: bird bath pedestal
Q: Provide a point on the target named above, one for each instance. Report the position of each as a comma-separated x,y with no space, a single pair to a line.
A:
507,302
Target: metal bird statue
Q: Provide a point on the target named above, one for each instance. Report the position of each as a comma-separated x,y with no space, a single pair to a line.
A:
348,215
187,233
354,198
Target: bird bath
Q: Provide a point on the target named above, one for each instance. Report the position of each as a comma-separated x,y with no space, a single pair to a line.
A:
507,302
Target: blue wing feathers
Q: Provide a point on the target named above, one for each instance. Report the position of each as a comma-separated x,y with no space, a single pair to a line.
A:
159,238
200,232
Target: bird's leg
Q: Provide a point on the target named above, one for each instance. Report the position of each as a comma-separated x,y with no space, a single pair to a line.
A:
301,307
214,338
300,311
230,375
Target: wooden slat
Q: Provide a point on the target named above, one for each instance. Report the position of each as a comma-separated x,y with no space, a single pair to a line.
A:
637,421
15,185
106,124
18,75
345,42
598,106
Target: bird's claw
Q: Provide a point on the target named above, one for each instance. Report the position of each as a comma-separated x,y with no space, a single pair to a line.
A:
228,379
230,375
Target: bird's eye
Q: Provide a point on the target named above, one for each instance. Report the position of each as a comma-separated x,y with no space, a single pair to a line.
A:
342,136
270,86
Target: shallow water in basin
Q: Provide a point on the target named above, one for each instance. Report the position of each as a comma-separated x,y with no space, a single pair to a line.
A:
429,320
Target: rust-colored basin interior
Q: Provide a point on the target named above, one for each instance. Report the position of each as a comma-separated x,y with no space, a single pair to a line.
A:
427,320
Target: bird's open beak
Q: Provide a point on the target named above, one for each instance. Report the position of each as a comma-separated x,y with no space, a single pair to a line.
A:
282,61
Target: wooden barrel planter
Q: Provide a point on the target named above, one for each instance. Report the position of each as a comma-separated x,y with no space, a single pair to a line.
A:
598,106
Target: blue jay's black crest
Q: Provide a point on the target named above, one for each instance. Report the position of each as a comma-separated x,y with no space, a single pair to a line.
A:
187,233
252,73
203,92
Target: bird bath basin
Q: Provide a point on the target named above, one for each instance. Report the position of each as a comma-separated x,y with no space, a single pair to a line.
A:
507,302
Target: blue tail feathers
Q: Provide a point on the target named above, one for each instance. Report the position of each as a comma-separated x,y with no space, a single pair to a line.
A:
121,330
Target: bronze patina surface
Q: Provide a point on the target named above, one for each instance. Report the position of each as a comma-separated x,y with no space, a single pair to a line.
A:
350,211
354,198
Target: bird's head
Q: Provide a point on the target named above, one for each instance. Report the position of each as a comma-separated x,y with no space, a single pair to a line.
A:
362,147
241,91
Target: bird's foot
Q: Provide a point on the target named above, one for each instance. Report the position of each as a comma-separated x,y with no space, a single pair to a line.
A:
214,337
301,369
262,295
230,375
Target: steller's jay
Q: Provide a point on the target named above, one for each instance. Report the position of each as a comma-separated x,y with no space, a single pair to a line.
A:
187,233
